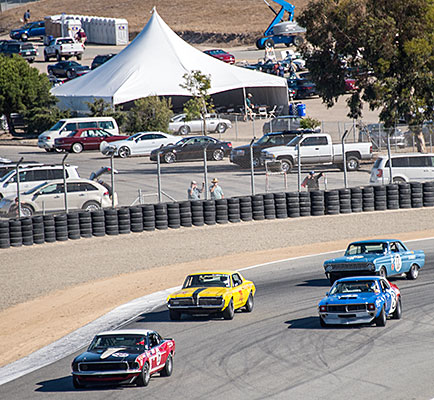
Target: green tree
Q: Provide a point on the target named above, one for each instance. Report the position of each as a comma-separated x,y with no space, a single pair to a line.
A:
22,88
200,104
149,114
309,123
388,45
39,119
101,108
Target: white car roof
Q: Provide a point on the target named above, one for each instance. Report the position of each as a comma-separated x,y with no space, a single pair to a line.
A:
127,332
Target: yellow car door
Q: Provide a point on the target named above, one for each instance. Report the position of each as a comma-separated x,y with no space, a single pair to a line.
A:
239,291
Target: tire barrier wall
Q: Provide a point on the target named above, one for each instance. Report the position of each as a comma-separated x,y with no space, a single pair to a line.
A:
148,217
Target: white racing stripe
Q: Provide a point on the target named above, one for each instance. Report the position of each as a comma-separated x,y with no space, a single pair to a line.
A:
115,319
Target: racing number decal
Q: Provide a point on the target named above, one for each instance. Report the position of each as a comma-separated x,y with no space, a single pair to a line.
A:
398,262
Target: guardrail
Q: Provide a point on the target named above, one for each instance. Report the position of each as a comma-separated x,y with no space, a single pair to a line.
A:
149,217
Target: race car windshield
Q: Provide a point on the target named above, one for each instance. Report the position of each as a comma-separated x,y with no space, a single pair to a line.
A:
131,342
207,280
366,248
354,287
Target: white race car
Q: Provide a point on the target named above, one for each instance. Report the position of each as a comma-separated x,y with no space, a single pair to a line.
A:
213,124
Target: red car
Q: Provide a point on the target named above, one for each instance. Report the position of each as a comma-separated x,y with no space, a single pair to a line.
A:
221,55
85,139
350,85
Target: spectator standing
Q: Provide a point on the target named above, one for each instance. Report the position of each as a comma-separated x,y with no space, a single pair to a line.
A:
311,181
216,190
80,36
26,16
194,192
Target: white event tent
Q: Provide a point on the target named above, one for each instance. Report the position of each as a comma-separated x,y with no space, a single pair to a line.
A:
154,63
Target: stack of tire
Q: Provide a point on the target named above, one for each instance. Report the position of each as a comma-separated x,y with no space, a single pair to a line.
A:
49,229
38,229
345,201
85,221
392,191
380,198
161,219
27,231
416,194
234,210
173,215
98,223
197,216
280,204
124,220
61,227
111,221
148,212
258,207
4,235
269,206
73,223
356,200
428,194
221,209
304,199
185,214
136,219
404,190
246,211
15,234
368,198
209,214
317,202
331,198
293,204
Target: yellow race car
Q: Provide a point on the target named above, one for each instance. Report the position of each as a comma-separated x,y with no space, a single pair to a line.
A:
211,293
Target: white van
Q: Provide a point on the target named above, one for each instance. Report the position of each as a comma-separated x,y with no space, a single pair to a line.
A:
65,126
405,168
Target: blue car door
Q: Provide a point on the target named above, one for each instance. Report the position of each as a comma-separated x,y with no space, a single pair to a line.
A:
407,257
388,295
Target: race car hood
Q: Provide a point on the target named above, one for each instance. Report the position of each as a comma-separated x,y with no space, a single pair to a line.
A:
110,354
200,292
349,298
358,258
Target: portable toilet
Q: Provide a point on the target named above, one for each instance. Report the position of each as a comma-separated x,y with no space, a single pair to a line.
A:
121,32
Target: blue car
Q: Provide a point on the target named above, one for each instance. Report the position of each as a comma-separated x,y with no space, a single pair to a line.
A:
360,300
32,29
383,257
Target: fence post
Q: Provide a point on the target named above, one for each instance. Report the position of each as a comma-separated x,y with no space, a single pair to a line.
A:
252,168
344,158
205,171
65,188
18,186
390,159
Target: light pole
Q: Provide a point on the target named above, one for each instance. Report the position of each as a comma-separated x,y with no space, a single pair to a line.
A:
65,189
18,185
252,167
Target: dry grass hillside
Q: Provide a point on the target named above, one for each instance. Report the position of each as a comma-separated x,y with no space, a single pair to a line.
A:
230,21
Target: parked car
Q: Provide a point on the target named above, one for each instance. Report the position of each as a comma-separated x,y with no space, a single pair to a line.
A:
65,47
126,356
31,176
7,166
26,50
360,300
85,139
303,88
405,168
384,257
142,143
241,155
214,123
221,55
30,30
282,123
67,69
212,293
82,194
191,148
101,59
377,134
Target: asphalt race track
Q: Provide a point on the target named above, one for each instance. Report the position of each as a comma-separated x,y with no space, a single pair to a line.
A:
279,351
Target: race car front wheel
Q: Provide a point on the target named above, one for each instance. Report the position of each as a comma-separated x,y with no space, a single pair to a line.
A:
229,311
76,383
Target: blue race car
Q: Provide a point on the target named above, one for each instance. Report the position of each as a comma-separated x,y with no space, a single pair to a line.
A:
360,300
383,257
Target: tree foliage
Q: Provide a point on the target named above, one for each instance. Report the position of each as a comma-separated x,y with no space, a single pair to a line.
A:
101,108
149,114
309,123
40,119
22,88
387,45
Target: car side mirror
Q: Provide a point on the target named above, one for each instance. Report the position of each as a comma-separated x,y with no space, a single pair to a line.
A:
327,293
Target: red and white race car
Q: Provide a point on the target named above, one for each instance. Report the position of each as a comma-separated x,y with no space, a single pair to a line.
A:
124,357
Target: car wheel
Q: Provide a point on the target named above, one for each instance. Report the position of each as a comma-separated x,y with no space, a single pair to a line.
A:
218,155
298,41
398,180
353,163
169,157
398,310
91,206
79,57
249,303
70,74
24,37
26,210
76,383
413,273
174,315
287,165
184,130
322,322
145,376
77,148
382,272
333,278
49,150
57,150
124,152
229,311
269,43
259,44
168,367
58,56
46,59
221,128
381,319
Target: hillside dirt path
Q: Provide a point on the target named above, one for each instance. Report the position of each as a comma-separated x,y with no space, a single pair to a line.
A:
48,291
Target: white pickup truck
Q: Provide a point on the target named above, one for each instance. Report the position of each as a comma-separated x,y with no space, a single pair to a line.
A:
318,149
65,47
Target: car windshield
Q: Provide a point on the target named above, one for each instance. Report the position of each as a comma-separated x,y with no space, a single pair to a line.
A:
207,280
134,342
182,141
6,177
135,136
65,41
354,287
366,248
57,126
35,189
264,139
294,142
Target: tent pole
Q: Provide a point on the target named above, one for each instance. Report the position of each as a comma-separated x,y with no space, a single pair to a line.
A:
245,104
